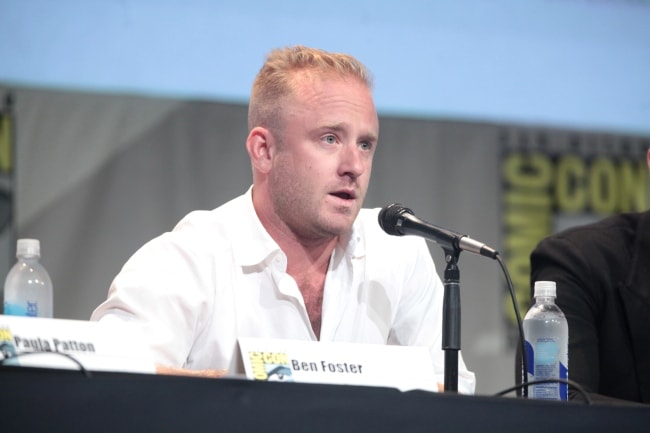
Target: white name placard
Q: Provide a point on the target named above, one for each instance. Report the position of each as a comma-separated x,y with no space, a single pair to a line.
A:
73,344
401,367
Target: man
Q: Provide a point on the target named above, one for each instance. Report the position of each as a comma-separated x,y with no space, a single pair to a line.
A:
295,257
602,272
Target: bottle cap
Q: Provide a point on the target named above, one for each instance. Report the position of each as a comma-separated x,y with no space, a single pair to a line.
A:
28,248
545,289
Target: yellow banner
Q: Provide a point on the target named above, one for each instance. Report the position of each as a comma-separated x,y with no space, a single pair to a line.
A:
6,142
552,181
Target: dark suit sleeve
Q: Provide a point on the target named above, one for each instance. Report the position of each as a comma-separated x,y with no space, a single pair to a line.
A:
559,259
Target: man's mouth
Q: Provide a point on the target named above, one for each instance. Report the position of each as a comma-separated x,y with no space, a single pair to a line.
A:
345,195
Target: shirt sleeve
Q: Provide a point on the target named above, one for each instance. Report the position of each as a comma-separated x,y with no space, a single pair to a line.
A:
160,287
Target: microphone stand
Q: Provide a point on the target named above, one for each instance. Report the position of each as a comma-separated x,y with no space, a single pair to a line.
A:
451,319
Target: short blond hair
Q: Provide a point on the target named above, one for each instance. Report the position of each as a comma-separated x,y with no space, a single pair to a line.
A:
274,81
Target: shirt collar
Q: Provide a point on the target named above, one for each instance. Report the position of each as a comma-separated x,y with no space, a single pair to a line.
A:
253,244
351,243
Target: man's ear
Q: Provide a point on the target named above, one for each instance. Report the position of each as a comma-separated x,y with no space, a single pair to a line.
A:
259,145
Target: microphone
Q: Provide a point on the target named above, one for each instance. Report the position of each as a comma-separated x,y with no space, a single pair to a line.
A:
398,220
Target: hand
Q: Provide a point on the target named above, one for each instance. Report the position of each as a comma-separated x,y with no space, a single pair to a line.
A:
176,371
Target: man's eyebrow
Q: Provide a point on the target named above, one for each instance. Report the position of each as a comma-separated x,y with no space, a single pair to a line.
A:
372,137
332,127
341,127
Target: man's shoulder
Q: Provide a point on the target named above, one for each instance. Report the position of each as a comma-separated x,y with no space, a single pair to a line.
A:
614,223
209,230
616,230
225,216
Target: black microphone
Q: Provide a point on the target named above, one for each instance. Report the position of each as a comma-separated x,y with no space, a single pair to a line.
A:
398,220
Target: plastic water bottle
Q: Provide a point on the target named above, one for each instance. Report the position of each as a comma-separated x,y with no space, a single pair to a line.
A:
28,287
547,344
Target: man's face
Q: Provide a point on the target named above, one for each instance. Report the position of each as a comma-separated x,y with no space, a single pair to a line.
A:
324,156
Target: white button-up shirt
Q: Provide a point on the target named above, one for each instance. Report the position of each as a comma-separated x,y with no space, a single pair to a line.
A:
219,276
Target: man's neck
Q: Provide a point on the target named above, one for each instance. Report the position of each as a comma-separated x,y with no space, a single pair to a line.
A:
307,258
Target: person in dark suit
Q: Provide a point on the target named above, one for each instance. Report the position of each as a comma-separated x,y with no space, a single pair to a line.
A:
602,272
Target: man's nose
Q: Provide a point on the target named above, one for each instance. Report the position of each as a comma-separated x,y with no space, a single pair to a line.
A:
352,161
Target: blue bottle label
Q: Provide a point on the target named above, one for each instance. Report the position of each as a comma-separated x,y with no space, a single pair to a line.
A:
543,363
30,310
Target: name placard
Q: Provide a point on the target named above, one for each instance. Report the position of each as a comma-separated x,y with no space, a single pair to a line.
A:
73,344
401,367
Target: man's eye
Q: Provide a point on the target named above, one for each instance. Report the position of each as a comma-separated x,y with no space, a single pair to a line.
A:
365,145
330,139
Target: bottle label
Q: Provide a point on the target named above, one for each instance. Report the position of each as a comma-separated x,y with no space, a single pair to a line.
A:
544,363
30,310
